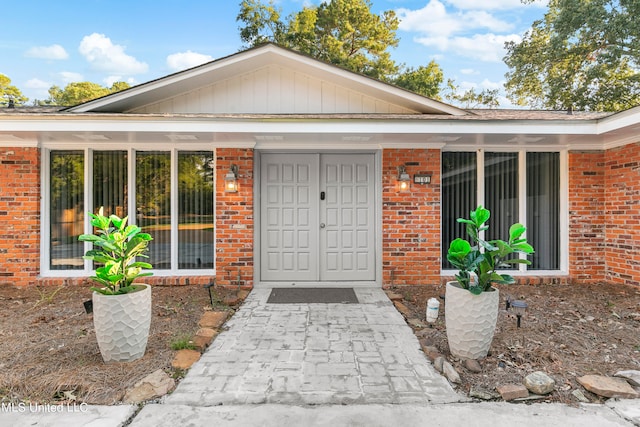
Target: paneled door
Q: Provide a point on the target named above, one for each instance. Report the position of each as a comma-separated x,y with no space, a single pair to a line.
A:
317,217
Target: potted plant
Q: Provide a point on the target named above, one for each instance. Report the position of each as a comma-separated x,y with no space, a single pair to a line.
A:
121,309
471,302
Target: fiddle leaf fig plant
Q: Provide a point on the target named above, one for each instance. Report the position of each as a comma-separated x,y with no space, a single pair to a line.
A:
477,264
116,246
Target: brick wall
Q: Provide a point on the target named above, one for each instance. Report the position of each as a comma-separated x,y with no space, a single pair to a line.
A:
411,221
19,215
622,211
586,216
234,219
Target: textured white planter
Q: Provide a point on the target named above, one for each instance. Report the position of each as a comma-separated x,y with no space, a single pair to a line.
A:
470,320
122,324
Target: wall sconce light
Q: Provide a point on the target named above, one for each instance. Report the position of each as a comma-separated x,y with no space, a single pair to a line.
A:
231,180
404,180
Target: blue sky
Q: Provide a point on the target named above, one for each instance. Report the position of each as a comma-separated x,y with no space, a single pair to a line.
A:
47,43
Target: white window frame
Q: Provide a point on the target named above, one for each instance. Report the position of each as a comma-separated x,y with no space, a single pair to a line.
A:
522,203
45,204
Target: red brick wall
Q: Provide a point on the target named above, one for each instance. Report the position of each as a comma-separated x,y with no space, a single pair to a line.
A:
622,210
19,215
411,221
586,216
234,219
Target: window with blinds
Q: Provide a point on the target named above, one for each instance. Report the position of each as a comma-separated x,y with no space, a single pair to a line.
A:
502,184
172,193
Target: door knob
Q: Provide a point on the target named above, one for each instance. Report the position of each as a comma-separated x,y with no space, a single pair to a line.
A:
322,225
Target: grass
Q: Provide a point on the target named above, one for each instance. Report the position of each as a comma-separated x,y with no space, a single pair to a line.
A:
183,342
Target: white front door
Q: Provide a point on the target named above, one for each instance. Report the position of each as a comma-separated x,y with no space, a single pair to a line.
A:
317,217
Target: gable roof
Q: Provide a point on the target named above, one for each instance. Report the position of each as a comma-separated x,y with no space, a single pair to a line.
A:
137,98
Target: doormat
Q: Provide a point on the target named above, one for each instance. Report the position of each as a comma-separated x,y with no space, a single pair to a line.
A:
312,296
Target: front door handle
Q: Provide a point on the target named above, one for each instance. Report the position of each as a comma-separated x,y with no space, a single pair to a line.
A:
322,225
322,195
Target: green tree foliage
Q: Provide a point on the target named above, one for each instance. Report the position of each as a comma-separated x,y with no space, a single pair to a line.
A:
9,92
487,98
342,32
583,55
79,92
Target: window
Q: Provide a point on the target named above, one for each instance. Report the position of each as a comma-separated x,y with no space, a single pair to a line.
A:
516,187
169,194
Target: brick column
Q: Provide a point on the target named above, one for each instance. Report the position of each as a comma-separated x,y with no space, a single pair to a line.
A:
622,215
19,215
234,219
411,221
586,216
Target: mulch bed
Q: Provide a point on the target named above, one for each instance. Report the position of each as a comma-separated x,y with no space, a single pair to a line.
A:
48,349
568,331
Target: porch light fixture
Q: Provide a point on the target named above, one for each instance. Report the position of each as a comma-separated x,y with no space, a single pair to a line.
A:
231,180
519,307
404,180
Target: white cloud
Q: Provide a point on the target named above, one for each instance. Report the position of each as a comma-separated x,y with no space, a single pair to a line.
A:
469,71
70,77
37,84
436,21
55,51
493,4
183,60
105,56
484,47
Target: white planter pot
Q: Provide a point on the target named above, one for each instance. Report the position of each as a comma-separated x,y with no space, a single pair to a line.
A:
122,324
470,320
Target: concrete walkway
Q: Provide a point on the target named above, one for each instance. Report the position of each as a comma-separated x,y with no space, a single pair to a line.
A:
311,354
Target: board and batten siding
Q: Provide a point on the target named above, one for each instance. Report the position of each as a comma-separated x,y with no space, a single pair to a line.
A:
274,90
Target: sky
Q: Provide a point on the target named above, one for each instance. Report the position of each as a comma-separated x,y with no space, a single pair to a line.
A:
46,43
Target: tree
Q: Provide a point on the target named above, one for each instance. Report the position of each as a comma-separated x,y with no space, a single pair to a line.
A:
472,99
79,92
425,80
343,32
581,55
9,93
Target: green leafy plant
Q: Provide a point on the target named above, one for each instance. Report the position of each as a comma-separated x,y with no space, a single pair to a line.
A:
183,342
478,264
116,246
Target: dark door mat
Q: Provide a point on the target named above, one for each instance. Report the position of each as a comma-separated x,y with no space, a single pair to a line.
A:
312,296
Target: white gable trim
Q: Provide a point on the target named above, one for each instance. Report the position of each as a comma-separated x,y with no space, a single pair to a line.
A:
204,75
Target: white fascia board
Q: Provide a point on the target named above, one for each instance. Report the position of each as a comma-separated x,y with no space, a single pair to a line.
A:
620,120
438,126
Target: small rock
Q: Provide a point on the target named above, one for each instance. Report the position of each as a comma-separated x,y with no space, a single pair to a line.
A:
452,375
402,309
479,393
589,318
512,391
472,365
578,394
213,319
185,358
539,383
231,300
432,352
607,387
150,387
438,363
416,323
633,377
203,337
393,296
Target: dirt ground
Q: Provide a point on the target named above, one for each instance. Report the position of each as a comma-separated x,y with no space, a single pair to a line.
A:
568,331
48,348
